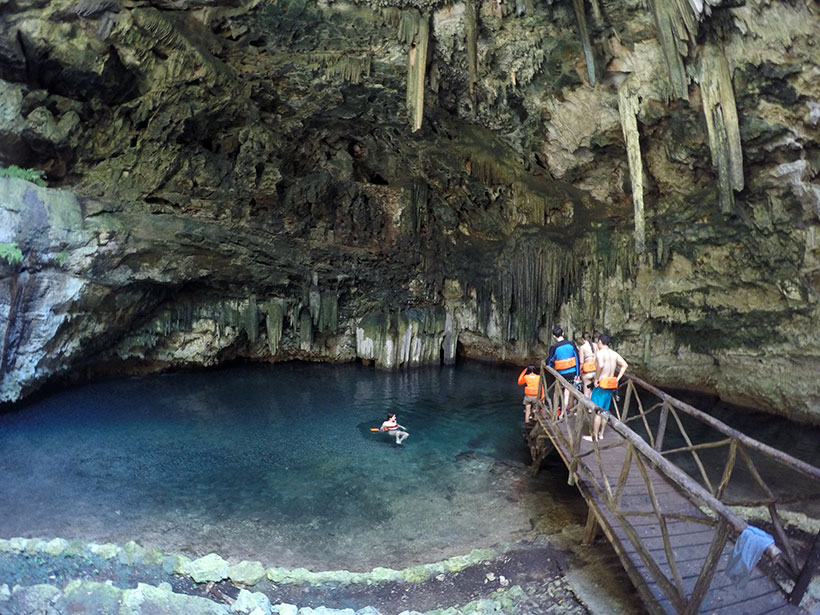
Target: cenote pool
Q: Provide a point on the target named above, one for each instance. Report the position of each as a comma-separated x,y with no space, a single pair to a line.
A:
278,464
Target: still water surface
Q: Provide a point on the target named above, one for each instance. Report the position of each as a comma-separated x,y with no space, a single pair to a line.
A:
278,464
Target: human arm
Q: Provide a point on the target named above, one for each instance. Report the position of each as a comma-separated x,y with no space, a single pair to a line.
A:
598,368
623,365
577,361
521,380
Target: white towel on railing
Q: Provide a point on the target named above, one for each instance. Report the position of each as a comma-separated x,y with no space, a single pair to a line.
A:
749,547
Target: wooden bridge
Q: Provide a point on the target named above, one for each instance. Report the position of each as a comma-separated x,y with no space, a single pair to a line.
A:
674,525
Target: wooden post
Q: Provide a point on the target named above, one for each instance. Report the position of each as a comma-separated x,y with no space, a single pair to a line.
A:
791,558
591,529
661,427
727,470
616,500
812,563
630,388
707,572
667,543
782,537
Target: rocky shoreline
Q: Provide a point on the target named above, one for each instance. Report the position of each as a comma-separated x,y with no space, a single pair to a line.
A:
541,576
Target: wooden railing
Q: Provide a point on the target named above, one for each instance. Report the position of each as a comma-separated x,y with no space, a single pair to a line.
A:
651,410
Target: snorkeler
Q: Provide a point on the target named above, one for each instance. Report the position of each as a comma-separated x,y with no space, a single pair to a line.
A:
392,427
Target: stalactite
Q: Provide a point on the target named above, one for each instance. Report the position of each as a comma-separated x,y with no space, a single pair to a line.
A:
369,336
628,109
328,312
486,157
471,33
349,68
250,318
676,31
391,15
408,26
274,317
411,337
589,56
346,64
148,29
530,197
489,170
305,330
531,284
416,64
416,209
720,112
597,16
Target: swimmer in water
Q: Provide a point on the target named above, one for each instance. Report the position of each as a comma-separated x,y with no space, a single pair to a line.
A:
392,427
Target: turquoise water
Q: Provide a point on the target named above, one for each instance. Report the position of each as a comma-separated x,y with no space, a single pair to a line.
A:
278,464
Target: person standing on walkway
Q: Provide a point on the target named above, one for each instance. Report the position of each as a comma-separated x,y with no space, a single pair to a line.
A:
530,381
606,382
587,354
563,357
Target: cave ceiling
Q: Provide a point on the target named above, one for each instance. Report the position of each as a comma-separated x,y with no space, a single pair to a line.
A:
281,172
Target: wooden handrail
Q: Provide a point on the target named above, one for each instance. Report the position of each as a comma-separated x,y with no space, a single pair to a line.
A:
721,515
692,488
784,458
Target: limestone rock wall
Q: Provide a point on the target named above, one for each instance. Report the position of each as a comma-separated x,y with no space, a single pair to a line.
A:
324,181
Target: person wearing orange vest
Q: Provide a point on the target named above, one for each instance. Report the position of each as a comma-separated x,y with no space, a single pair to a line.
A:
529,380
392,427
563,357
606,382
588,365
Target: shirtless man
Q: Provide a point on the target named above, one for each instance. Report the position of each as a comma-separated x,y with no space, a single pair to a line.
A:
587,354
606,360
392,427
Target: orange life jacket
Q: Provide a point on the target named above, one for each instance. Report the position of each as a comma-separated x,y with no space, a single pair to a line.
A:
609,382
589,366
562,364
530,382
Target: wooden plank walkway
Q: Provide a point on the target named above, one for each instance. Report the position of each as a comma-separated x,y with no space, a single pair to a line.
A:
674,549
690,541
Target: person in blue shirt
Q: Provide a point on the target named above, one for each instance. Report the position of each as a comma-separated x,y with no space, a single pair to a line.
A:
563,358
